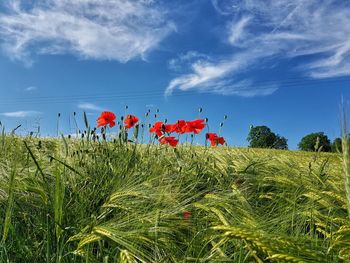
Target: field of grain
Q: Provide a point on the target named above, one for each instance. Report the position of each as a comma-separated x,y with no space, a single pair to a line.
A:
74,200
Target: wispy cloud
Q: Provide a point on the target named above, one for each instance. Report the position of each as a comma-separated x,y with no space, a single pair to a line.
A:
236,30
93,29
186,59
20,114
225,7
89,106
31,88
219,76
275,29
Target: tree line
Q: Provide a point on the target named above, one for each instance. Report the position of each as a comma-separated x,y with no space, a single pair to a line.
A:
264,137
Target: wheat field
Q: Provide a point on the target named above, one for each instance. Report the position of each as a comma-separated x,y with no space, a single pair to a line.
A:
75,200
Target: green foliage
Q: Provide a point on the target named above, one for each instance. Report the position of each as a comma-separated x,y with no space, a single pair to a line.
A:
73,200
315,142
337,145
263,137
280,143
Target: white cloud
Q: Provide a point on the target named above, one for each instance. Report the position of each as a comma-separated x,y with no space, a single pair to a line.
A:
203,73
186,59
225,7
219,77
237,30
31,88
92,29
278,29
20,114
89,106
306,27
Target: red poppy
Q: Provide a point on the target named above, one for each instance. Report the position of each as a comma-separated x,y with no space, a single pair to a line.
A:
169,128
210,136
195,126
157,128
168,140
130,121
214,139
180,126
106,118
187,215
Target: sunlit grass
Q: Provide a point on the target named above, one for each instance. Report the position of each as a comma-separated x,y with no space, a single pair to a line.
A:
65,200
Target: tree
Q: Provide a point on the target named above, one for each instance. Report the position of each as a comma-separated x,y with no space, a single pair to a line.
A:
315,141
280,143
263,137
337,145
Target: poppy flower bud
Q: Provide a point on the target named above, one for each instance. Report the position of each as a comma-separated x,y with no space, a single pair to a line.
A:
155,115
206,119
149,125
74,113
122,118
82,135
69,136
200,110
166,120
142,125
136,131
126,107
221,124
59,115
225,117
157,110
147,113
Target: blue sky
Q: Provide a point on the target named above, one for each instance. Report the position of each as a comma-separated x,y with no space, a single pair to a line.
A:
280,63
